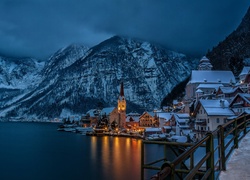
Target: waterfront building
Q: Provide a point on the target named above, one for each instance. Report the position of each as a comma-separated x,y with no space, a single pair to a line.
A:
149,119
92,116
132,120
121,105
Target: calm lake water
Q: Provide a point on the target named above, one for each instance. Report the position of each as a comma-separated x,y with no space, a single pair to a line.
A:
37,151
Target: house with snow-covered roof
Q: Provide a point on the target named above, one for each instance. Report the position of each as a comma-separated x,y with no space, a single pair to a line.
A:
240,103
228,93
208,76
149,119
132,119
165,119
209,88
210,113
245,83
243,73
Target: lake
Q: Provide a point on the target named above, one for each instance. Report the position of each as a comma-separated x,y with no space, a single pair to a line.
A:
37,151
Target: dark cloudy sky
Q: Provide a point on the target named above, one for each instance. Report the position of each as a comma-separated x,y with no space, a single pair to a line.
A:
38,28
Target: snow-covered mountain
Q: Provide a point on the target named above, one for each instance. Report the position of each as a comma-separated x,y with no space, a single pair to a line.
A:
76,79
18,77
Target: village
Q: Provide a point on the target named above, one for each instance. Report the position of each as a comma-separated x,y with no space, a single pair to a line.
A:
212,98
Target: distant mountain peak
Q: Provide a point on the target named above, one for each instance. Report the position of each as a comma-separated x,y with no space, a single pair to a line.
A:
79,79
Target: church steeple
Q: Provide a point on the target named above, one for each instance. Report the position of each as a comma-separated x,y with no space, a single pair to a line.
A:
205,64
122,107
121,90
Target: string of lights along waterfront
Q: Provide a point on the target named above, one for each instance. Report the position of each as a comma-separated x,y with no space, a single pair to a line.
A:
37,151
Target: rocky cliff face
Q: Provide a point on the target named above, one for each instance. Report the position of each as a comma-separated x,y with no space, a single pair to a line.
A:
230,53
77,79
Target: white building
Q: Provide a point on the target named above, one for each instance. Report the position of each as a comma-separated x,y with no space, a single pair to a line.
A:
207,76
209,114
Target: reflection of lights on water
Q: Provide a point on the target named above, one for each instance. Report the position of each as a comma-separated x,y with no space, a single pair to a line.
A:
93,147
118,154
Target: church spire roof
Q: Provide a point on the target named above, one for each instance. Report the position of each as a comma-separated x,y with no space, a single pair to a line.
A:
205,64
121,90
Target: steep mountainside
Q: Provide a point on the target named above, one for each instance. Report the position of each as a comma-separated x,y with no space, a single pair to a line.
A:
18,77
230,53
149,73
34,76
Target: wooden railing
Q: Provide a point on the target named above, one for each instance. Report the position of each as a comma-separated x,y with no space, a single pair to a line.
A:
215,148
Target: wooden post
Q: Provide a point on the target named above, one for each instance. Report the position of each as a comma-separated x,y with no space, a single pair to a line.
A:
245,125
142,160
221,148
236,141
210,160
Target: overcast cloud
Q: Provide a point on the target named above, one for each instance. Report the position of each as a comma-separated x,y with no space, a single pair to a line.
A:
38,28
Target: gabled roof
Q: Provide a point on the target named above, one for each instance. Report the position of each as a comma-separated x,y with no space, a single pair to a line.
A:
229,90
244,96
150,113
212,86
107,110
215,107
181,117
216,77
165,115
135,118
91,112
245,70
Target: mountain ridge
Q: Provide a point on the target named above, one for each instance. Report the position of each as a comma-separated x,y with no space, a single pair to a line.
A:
93,78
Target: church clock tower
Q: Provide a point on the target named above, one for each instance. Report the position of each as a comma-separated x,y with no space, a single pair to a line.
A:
122,107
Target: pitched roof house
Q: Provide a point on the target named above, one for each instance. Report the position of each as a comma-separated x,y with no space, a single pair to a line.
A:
209,114
240,103
228,93
149,119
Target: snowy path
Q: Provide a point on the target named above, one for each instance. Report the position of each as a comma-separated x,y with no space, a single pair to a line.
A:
238,166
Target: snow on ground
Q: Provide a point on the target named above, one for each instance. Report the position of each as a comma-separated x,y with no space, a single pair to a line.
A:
238,165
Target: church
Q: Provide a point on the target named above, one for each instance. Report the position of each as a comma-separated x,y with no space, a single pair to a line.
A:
206,80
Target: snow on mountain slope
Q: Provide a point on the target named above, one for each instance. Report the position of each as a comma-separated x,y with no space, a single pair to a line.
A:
91,78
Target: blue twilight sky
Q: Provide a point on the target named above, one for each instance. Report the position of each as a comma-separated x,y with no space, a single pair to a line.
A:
38,28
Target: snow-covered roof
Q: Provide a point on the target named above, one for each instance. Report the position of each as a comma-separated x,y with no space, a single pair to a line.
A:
199,91
228,90
91,112
212,86
245,70
181,117
216,77
244,96
135,118
133,114
215,107
150,113
107,110
165,115
150,129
